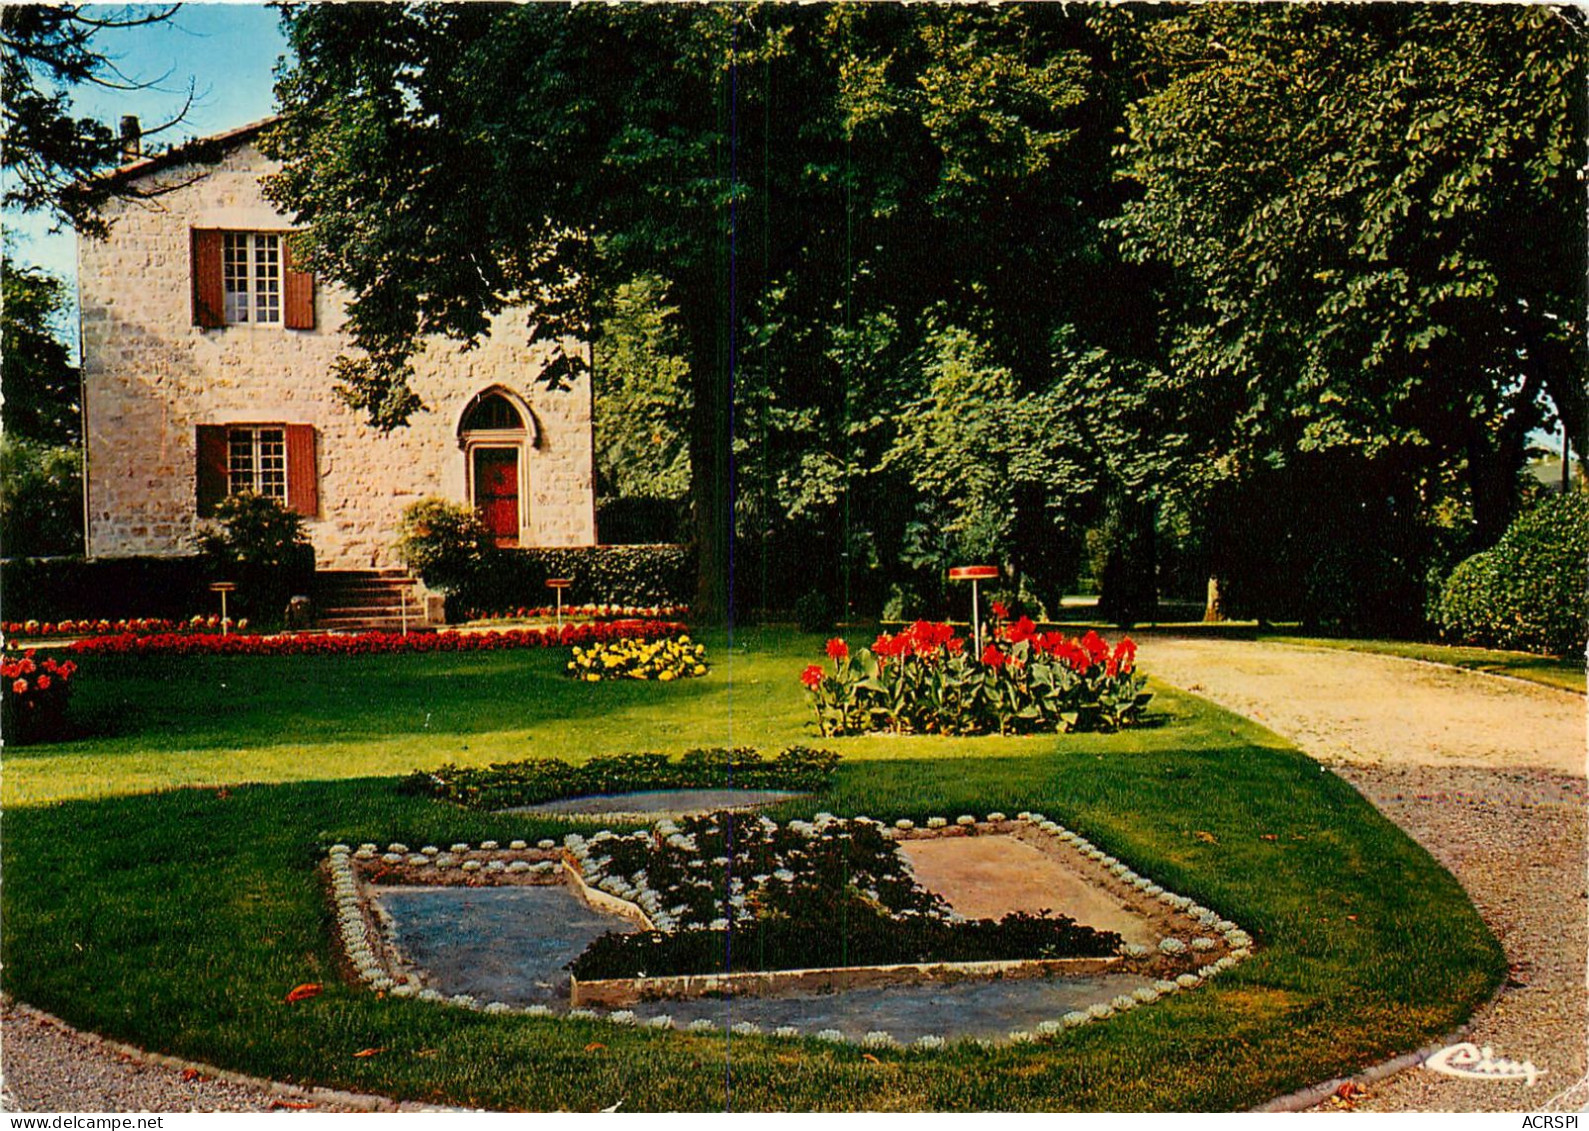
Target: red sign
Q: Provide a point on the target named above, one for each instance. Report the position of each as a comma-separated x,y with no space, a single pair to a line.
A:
973,573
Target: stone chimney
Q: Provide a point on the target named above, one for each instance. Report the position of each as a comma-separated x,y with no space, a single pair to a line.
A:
131,138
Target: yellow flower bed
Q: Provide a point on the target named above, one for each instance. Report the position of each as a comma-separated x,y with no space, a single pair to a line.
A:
661,660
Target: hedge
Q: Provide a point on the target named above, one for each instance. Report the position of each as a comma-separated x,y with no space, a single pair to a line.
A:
1529,590
642,575
53,589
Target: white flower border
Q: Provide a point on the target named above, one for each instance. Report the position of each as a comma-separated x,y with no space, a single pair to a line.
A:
365,944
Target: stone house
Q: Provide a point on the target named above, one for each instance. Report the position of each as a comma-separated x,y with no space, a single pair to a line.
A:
206,371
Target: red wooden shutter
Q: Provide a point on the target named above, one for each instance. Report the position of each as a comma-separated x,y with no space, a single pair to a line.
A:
298,287
211,467
303,477
209,296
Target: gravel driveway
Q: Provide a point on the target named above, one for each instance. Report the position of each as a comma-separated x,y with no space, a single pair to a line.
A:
1488,774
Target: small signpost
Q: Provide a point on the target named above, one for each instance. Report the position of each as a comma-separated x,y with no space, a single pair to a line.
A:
559,584
223,588
974,574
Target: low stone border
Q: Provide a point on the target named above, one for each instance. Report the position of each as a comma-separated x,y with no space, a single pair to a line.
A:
375,960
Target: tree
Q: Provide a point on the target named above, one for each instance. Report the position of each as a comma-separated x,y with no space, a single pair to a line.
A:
39,388
1376,219
858,159
642,396
51,157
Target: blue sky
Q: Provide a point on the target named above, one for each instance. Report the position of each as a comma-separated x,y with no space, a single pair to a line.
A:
228,52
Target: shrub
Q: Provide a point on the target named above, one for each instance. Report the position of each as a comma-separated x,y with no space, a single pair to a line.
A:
33,698
445,543
813,613
260,546
1528,591
923,681
534,780
640,575
661,660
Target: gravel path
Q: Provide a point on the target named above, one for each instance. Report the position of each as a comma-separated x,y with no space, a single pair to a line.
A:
1486,773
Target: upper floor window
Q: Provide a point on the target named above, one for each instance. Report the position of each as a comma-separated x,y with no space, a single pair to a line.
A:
248,278
251,274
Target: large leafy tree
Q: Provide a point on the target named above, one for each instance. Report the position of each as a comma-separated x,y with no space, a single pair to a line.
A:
38,382
796,165
52,155
1376,218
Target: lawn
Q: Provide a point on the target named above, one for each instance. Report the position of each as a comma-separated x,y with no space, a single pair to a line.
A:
178,919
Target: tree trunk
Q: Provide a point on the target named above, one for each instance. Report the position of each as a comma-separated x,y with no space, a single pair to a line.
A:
1214,609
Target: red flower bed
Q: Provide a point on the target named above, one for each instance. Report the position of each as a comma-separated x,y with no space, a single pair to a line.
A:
34,693
125,626
628,612
371,643
922,680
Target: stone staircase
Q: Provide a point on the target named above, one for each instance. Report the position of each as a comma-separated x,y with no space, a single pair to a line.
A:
360,600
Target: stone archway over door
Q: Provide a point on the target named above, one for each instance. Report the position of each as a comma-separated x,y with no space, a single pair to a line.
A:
494,437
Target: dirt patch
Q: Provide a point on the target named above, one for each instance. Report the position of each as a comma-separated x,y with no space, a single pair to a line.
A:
988,877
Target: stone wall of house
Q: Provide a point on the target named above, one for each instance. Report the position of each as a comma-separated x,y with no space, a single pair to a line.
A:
151,377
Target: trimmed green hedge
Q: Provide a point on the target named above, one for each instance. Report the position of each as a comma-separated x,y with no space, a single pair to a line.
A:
534,780
51,589
1529,590
653,574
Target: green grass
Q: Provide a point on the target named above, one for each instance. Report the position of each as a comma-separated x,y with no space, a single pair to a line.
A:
178,920
1546,670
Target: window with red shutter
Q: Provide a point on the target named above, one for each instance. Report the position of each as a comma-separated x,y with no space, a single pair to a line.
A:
303,477
298,288
211,471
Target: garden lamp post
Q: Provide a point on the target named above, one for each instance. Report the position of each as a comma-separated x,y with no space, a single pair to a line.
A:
557,585
223,588
974,574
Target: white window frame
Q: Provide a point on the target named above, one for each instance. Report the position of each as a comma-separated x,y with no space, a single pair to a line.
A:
253,278
260,481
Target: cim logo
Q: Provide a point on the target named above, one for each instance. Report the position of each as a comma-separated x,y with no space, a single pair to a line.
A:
1475,1063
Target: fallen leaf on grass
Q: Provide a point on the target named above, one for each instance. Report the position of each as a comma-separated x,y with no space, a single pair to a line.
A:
594,1045
307,990
870,1059
1206,837
368,1052
1268,836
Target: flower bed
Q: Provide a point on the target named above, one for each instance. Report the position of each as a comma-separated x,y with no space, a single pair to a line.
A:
590,612
370,643
33,697
1211,944
126,626
923,680
507,784
661,660
784,891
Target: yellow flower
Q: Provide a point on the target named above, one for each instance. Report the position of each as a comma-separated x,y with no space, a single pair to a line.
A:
665,676
700,669
593,677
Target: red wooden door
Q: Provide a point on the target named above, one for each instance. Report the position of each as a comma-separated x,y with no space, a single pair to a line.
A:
496,492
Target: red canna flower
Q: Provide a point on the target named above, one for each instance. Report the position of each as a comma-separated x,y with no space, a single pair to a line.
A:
992,657
813,676
1095,647
838,650
20,687
956,645
1022,629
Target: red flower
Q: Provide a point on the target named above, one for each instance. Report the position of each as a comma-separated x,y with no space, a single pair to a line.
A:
992,657
1022,629
1126,653
20,687
1097,649
838,650
955,645
1001,610
813,676
43,682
